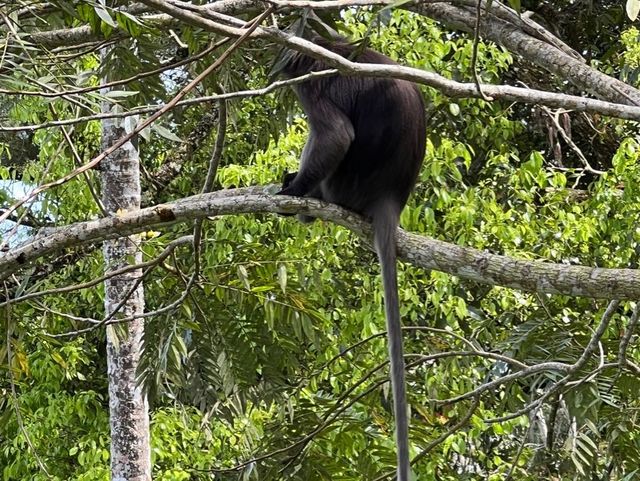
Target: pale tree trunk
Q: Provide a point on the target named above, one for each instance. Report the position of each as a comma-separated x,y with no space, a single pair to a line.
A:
129,411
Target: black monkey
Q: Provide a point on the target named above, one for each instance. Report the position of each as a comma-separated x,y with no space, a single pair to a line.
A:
365,148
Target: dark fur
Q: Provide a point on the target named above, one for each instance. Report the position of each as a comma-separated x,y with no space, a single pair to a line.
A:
365,148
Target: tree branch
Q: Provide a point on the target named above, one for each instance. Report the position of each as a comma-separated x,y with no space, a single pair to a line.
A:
540,52
78,35
450,88
464,262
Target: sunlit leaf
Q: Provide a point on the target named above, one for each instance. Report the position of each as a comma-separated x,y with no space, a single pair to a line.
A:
633,8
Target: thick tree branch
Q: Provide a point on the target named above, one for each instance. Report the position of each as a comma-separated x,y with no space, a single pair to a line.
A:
533,49
467,263
79,35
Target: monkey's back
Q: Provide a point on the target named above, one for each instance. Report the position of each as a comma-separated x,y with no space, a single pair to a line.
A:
384,159
388,118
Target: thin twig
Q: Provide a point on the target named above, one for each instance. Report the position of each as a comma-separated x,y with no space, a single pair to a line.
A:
626,339
474,54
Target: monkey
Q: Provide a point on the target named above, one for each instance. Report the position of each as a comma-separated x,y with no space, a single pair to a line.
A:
366,144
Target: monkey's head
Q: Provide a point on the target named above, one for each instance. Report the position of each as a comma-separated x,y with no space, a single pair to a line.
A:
310,27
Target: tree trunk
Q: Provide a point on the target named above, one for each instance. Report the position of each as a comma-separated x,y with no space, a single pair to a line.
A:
129,411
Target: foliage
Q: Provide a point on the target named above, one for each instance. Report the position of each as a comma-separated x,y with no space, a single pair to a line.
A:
63,419
631,68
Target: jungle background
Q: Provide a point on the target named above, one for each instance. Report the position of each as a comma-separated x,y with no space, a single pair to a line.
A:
263,354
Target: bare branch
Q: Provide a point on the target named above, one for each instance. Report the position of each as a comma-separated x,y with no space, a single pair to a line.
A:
624,343
596,336
568,369
535,369
446,86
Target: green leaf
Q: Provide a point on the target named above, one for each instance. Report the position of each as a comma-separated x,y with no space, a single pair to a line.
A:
133,18
515,4
145,133
130,123
307,327
243,275
115,94
297,327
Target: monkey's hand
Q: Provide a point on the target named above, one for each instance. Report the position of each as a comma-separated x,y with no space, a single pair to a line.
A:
289,188
292,185
287,178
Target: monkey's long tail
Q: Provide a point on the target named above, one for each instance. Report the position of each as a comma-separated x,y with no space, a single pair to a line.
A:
385,223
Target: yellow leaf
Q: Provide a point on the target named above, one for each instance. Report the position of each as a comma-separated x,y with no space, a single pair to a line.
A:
23,363
58,358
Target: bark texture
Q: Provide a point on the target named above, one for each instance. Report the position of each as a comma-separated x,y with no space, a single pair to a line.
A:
124,297
541,52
